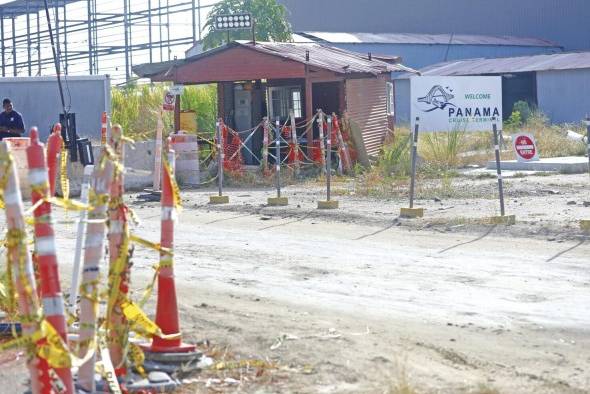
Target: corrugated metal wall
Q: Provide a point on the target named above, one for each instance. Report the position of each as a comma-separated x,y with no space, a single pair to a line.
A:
366,105
37,99
419,56
563,95
565,21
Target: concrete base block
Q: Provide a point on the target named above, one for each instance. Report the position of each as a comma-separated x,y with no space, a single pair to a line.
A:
219,200
278,201
585,225
508,220
411,213
158,382
328,204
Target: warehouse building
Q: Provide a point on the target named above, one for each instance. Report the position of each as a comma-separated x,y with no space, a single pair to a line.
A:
564,22
421,50
556,84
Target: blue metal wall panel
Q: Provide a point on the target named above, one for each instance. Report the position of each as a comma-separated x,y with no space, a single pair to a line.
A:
563,95
562,21
418,56
402,102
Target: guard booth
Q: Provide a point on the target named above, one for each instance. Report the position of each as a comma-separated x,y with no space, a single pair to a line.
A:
270,79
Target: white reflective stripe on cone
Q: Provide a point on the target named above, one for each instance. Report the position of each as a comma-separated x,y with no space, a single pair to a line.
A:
115,227
169,213
45,246
38,176
53,306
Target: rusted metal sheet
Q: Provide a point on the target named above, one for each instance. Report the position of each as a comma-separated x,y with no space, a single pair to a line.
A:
266,60
367,108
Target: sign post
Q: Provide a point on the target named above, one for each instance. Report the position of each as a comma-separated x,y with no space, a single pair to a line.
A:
412,212
328,204
219,199
502,219
278,200
458,105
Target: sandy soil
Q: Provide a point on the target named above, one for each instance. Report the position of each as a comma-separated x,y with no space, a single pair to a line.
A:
360,301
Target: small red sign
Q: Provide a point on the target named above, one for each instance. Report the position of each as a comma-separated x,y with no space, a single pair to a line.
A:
169,102
525,148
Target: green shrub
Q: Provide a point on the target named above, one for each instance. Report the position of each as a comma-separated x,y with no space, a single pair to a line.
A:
524,109
135,108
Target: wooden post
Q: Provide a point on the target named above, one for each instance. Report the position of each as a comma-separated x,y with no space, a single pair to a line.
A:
295,142
309,112
177,113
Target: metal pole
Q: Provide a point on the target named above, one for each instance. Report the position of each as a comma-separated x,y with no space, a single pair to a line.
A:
194,15
278,154
55,59
89,10
39,45
88,170
13,46
160,30
219,158
3,45
29,65
498,167
150,30
125,26
65,30
199,17
588,140
414,159
329,157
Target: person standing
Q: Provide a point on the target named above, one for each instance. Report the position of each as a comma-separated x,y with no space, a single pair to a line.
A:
11,122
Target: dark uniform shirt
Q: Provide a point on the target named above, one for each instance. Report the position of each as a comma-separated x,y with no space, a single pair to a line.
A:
13,120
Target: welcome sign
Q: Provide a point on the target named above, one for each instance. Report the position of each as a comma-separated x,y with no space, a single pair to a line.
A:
456,103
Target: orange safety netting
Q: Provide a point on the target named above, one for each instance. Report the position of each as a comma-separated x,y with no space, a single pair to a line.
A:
232,148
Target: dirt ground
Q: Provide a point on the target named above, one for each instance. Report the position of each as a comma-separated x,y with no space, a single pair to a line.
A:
360,301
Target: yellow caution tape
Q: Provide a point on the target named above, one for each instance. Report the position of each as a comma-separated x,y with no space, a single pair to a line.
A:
150,245
137,357
175,189
142,324
54,350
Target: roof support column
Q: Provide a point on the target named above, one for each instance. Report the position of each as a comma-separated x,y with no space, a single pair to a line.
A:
29,66
39,67
3,49
150,40
126,28
65,29
89,12
14,46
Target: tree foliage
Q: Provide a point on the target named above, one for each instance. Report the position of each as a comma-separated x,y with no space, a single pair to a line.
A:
270,17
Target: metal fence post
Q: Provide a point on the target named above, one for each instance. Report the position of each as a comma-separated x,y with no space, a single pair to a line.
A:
414,159
498,168
278,155
328,158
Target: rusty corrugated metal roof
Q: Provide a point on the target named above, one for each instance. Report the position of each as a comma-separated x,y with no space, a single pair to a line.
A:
326,57
320,56
424,39
559,61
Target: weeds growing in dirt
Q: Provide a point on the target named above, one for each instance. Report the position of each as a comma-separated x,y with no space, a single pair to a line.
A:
400,383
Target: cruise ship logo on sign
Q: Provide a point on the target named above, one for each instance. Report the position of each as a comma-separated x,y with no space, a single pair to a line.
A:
438,97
